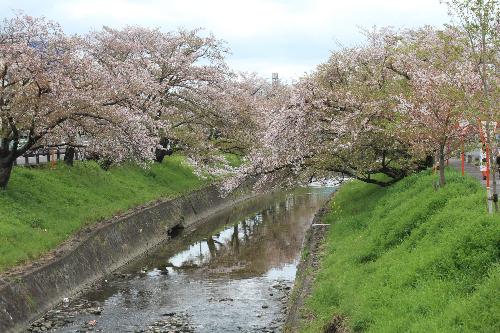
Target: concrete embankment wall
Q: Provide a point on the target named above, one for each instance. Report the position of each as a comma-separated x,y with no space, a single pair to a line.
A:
24,297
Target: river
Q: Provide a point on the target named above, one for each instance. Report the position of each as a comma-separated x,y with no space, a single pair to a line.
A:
232,273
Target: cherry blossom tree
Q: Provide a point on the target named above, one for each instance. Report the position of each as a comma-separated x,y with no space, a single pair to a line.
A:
174,78
339,120
128,90
382,108
52,88
35,57
242,107
443,85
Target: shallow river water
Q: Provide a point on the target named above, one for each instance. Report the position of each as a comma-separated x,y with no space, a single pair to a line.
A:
232,274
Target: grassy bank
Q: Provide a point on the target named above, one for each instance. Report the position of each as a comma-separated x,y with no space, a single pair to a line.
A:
43,207
410,258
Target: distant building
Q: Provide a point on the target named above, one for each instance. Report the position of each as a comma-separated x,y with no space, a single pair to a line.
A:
275,79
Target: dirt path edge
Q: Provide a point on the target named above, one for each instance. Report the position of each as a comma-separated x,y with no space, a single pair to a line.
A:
307,268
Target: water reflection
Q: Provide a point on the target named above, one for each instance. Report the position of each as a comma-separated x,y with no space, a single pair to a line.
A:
250,247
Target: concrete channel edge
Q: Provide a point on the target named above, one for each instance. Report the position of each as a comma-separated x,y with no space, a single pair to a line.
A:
25,297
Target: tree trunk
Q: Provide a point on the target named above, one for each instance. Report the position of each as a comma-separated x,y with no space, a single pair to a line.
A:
6,164
69,156
211,247
235,241
159,155
429,161
442,179
165,150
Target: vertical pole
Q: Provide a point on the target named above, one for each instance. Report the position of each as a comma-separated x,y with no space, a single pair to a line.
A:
486,148
462,155
487,166
488,188
53,158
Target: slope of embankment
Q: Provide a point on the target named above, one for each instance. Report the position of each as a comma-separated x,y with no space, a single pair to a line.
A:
42,207
408,258
27,291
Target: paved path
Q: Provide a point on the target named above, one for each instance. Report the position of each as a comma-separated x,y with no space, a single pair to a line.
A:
472,170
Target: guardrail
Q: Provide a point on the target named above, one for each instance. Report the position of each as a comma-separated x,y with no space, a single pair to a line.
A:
44,156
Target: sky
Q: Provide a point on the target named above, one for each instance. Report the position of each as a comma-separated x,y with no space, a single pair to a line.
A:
290,37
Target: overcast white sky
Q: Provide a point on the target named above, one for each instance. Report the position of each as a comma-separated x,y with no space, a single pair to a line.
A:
285,36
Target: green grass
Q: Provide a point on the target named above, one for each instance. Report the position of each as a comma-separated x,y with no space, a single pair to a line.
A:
410,258
43,207
233,160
